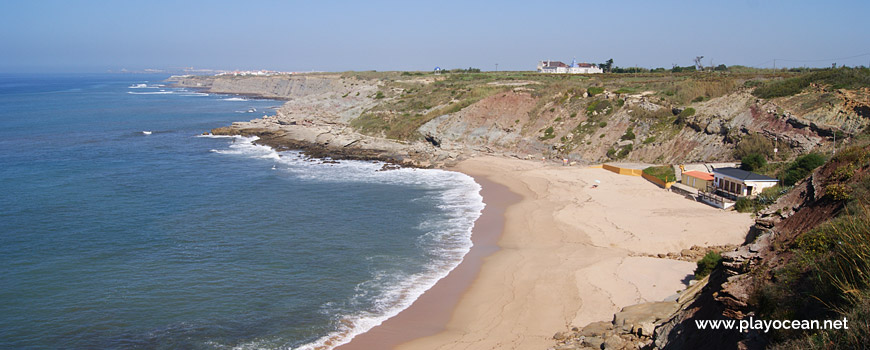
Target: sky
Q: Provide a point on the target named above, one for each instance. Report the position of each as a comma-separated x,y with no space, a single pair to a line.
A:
96,36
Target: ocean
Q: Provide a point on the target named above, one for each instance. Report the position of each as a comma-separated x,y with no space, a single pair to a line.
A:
121,226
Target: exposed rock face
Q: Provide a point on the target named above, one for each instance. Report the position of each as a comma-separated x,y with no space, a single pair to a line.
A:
494,122
512,122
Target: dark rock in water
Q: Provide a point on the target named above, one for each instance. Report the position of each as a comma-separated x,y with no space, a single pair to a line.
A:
329,161
390,166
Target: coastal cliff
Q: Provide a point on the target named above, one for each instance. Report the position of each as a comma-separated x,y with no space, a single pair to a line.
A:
435,120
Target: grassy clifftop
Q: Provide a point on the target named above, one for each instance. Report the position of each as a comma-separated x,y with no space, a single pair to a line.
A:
653,117
661,117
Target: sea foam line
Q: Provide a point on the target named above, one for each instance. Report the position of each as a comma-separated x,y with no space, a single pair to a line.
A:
450,240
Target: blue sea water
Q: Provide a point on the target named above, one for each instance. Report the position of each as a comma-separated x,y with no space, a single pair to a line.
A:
114,238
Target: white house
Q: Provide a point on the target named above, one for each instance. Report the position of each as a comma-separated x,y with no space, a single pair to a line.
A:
734,182
557,67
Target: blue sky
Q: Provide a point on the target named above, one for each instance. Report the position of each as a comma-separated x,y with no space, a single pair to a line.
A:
94,36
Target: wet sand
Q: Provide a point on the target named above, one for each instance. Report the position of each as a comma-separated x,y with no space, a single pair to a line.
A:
429,314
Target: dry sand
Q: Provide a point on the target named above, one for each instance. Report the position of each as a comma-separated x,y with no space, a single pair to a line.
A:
568,257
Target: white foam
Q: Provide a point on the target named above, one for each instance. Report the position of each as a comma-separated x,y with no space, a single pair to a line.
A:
234,99
145,86
447,238
161,92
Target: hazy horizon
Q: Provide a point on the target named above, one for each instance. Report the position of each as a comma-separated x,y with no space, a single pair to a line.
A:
98,36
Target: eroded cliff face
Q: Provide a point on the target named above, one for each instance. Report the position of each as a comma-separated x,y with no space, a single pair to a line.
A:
517,121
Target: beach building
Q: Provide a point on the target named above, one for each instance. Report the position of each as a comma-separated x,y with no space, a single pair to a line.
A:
697,179
735,182
731,183
558,67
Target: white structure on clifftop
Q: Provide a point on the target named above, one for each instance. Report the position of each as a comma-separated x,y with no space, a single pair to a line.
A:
557,67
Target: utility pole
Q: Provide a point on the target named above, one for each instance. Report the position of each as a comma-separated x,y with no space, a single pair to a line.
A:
496,67
774,64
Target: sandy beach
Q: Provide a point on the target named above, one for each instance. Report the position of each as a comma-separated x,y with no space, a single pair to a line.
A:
568,255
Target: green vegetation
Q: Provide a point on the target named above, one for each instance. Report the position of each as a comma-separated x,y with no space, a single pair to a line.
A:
824,272
839,78
688,112
620,153
628,135
548,134
753,144
829,278
753,162
399,117
767,197
649,140
594,90
801,167
707,264
664,172
744,205
602,124
698,99
599,107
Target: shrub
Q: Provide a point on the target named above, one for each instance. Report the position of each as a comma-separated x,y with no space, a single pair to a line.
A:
594,90
801,167
620,102
753,144
707,264
629,135
744,205
624,151
573,114
838,192
379,95
688,112
548,134
649,140
753,162
602,124
598,107
698,99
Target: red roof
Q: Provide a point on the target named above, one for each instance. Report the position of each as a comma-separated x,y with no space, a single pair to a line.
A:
700,175
554,64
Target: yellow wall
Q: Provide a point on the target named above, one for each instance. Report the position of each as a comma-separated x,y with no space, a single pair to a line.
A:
623,171
700,184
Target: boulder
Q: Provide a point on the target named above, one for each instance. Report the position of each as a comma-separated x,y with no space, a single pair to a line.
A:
596,328
614,342
630,317
593,342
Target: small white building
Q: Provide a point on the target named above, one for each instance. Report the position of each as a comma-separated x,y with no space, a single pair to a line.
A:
734,182
557,67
